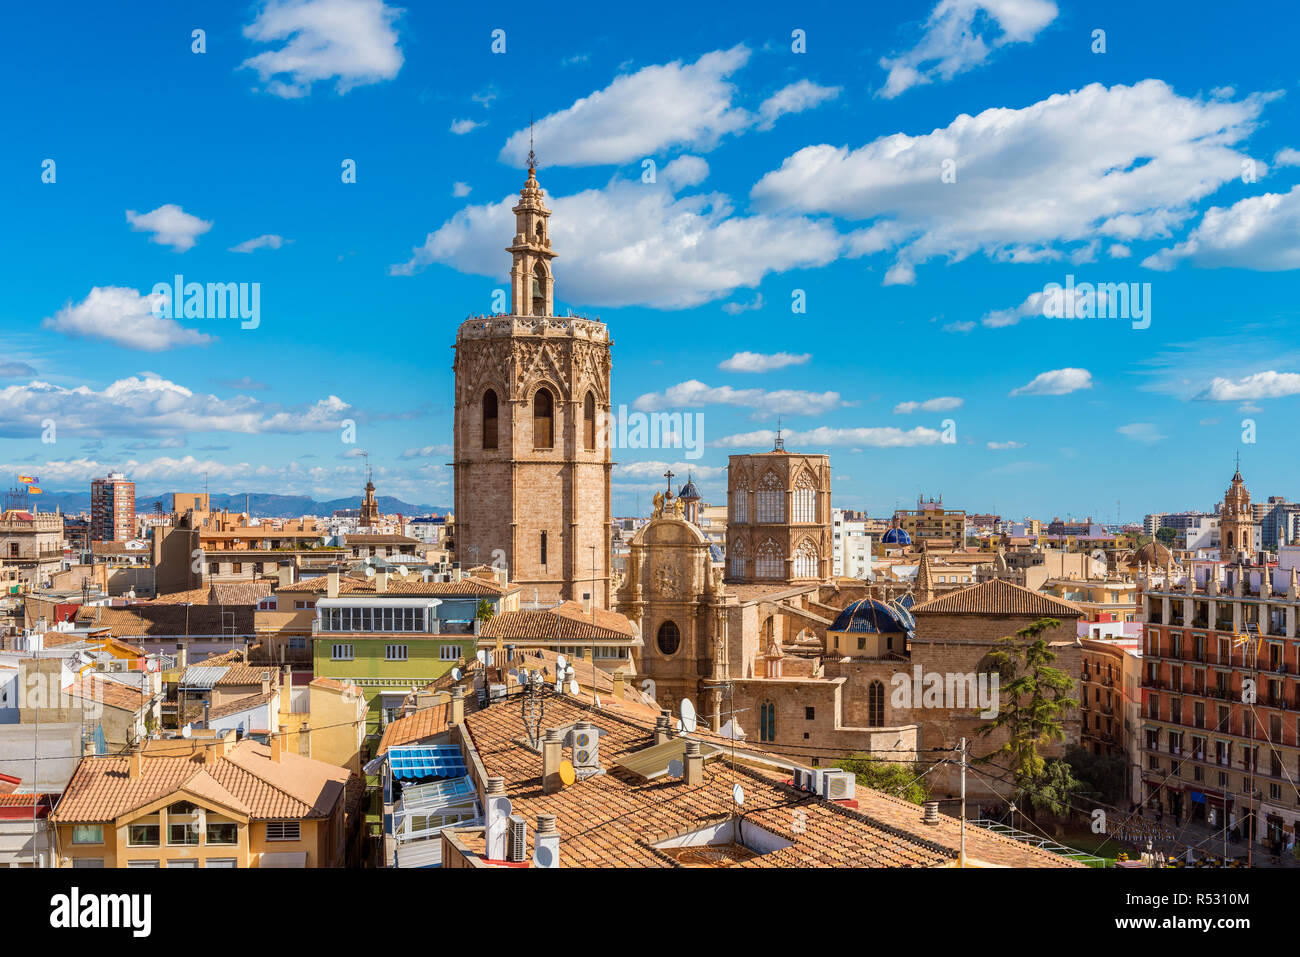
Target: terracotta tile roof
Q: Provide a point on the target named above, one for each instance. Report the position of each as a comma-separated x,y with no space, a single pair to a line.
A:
242,704
335,685
424,723
240,673
112,694
245,779
612,819
239,593
191,596
168,620
564,623
998,596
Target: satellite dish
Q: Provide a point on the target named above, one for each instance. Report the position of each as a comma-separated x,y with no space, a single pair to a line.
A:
680,726
738,794
688,715
573,687
403,570
568,671
675,768
186,731
567,774
560,662
455,674
481,656
370,572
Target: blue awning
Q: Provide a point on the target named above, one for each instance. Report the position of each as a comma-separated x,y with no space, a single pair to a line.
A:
430,761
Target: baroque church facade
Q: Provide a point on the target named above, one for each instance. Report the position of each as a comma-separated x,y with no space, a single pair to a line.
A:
532,465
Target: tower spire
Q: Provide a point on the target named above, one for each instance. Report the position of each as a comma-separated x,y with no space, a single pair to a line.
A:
532,157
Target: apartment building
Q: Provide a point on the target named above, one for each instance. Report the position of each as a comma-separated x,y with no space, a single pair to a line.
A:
850,545
112,508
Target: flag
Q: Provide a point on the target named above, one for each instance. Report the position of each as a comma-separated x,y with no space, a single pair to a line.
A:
33,490
27,479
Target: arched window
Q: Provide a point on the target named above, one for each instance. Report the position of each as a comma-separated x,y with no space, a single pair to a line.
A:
767,721
805,500
740,506
589,423
876,705
489,419
542,548
805,560
768,562
668,638
770,501
543,420
539,289
737,560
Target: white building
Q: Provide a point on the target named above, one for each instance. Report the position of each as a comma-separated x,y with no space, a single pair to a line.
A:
851,546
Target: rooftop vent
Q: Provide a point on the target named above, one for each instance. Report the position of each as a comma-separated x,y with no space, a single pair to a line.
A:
931,813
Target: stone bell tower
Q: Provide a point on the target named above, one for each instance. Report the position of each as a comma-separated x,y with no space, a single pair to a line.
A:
532,457
1236,520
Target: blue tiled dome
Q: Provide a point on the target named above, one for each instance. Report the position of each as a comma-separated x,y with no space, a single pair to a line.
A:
688,492
874,617
896,536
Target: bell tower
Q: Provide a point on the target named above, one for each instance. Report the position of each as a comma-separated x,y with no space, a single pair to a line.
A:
533,465
1236,520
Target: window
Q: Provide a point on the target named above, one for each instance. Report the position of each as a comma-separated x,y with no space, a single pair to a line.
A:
737,560
88,861
740,507
183,862
282,830
668,638
142,835
395,652
341,652
141,863
770,500
805,500
489,419
221,832
809,714
222,862
589,423
805,560
769,562
88,834
185,833
449,653
767,721
543,548
876,704
297,643
543,420
539,283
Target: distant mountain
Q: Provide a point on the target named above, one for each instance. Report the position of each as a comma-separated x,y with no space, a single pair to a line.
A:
261,504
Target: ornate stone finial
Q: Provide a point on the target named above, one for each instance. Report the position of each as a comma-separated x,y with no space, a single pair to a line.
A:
1293,589
532,157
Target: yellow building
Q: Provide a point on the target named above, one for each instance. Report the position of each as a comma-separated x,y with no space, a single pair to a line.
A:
207,802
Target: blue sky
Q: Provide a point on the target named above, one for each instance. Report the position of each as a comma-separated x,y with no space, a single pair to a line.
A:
776,171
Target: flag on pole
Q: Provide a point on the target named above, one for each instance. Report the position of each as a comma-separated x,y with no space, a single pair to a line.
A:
27,479
33,490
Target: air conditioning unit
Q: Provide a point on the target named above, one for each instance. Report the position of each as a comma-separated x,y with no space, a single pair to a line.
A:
586,746
838,785
807,779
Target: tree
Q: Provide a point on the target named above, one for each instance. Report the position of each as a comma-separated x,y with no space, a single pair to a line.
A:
485,611
1032,712
899,780
1104,776
1167,536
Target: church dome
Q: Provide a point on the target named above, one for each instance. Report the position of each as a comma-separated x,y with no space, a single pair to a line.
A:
688,492
874,617
1152,553
896,536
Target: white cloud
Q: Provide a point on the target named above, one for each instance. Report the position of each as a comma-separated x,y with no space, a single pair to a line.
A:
695,393
686,171
958,327
870,437
654,471
460,190
427,451
350,41
736,308
461,127
683,252
1119,251
1122,164
1056,382
1144,432
958,36
1004,446
1261,385
269,241
151,405
943,403
1067,301
639,114
795,98
124,317
763,362
1259,232
170,225
1286,157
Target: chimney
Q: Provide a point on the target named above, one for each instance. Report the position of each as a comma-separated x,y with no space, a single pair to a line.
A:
931,813
381,581
207,709
458,705
332,583
266,681
277,745
552,753
495,829
286,690
285,575
663,730
694,764
546,842
135,765
619,682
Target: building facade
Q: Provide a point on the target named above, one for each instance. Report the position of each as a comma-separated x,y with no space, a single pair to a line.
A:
532,459
112,508
779,529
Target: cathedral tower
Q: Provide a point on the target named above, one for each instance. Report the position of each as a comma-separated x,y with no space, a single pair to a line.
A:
532,458
1236,521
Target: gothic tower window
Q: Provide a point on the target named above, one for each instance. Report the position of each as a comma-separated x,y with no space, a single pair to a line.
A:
876,705
539,290
738,560
770,503
668,638
740,506
768,561
489,419
542,549
543,420
805,560
589,423
805,500
767,721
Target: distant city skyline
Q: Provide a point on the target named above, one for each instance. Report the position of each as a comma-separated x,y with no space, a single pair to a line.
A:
776,217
